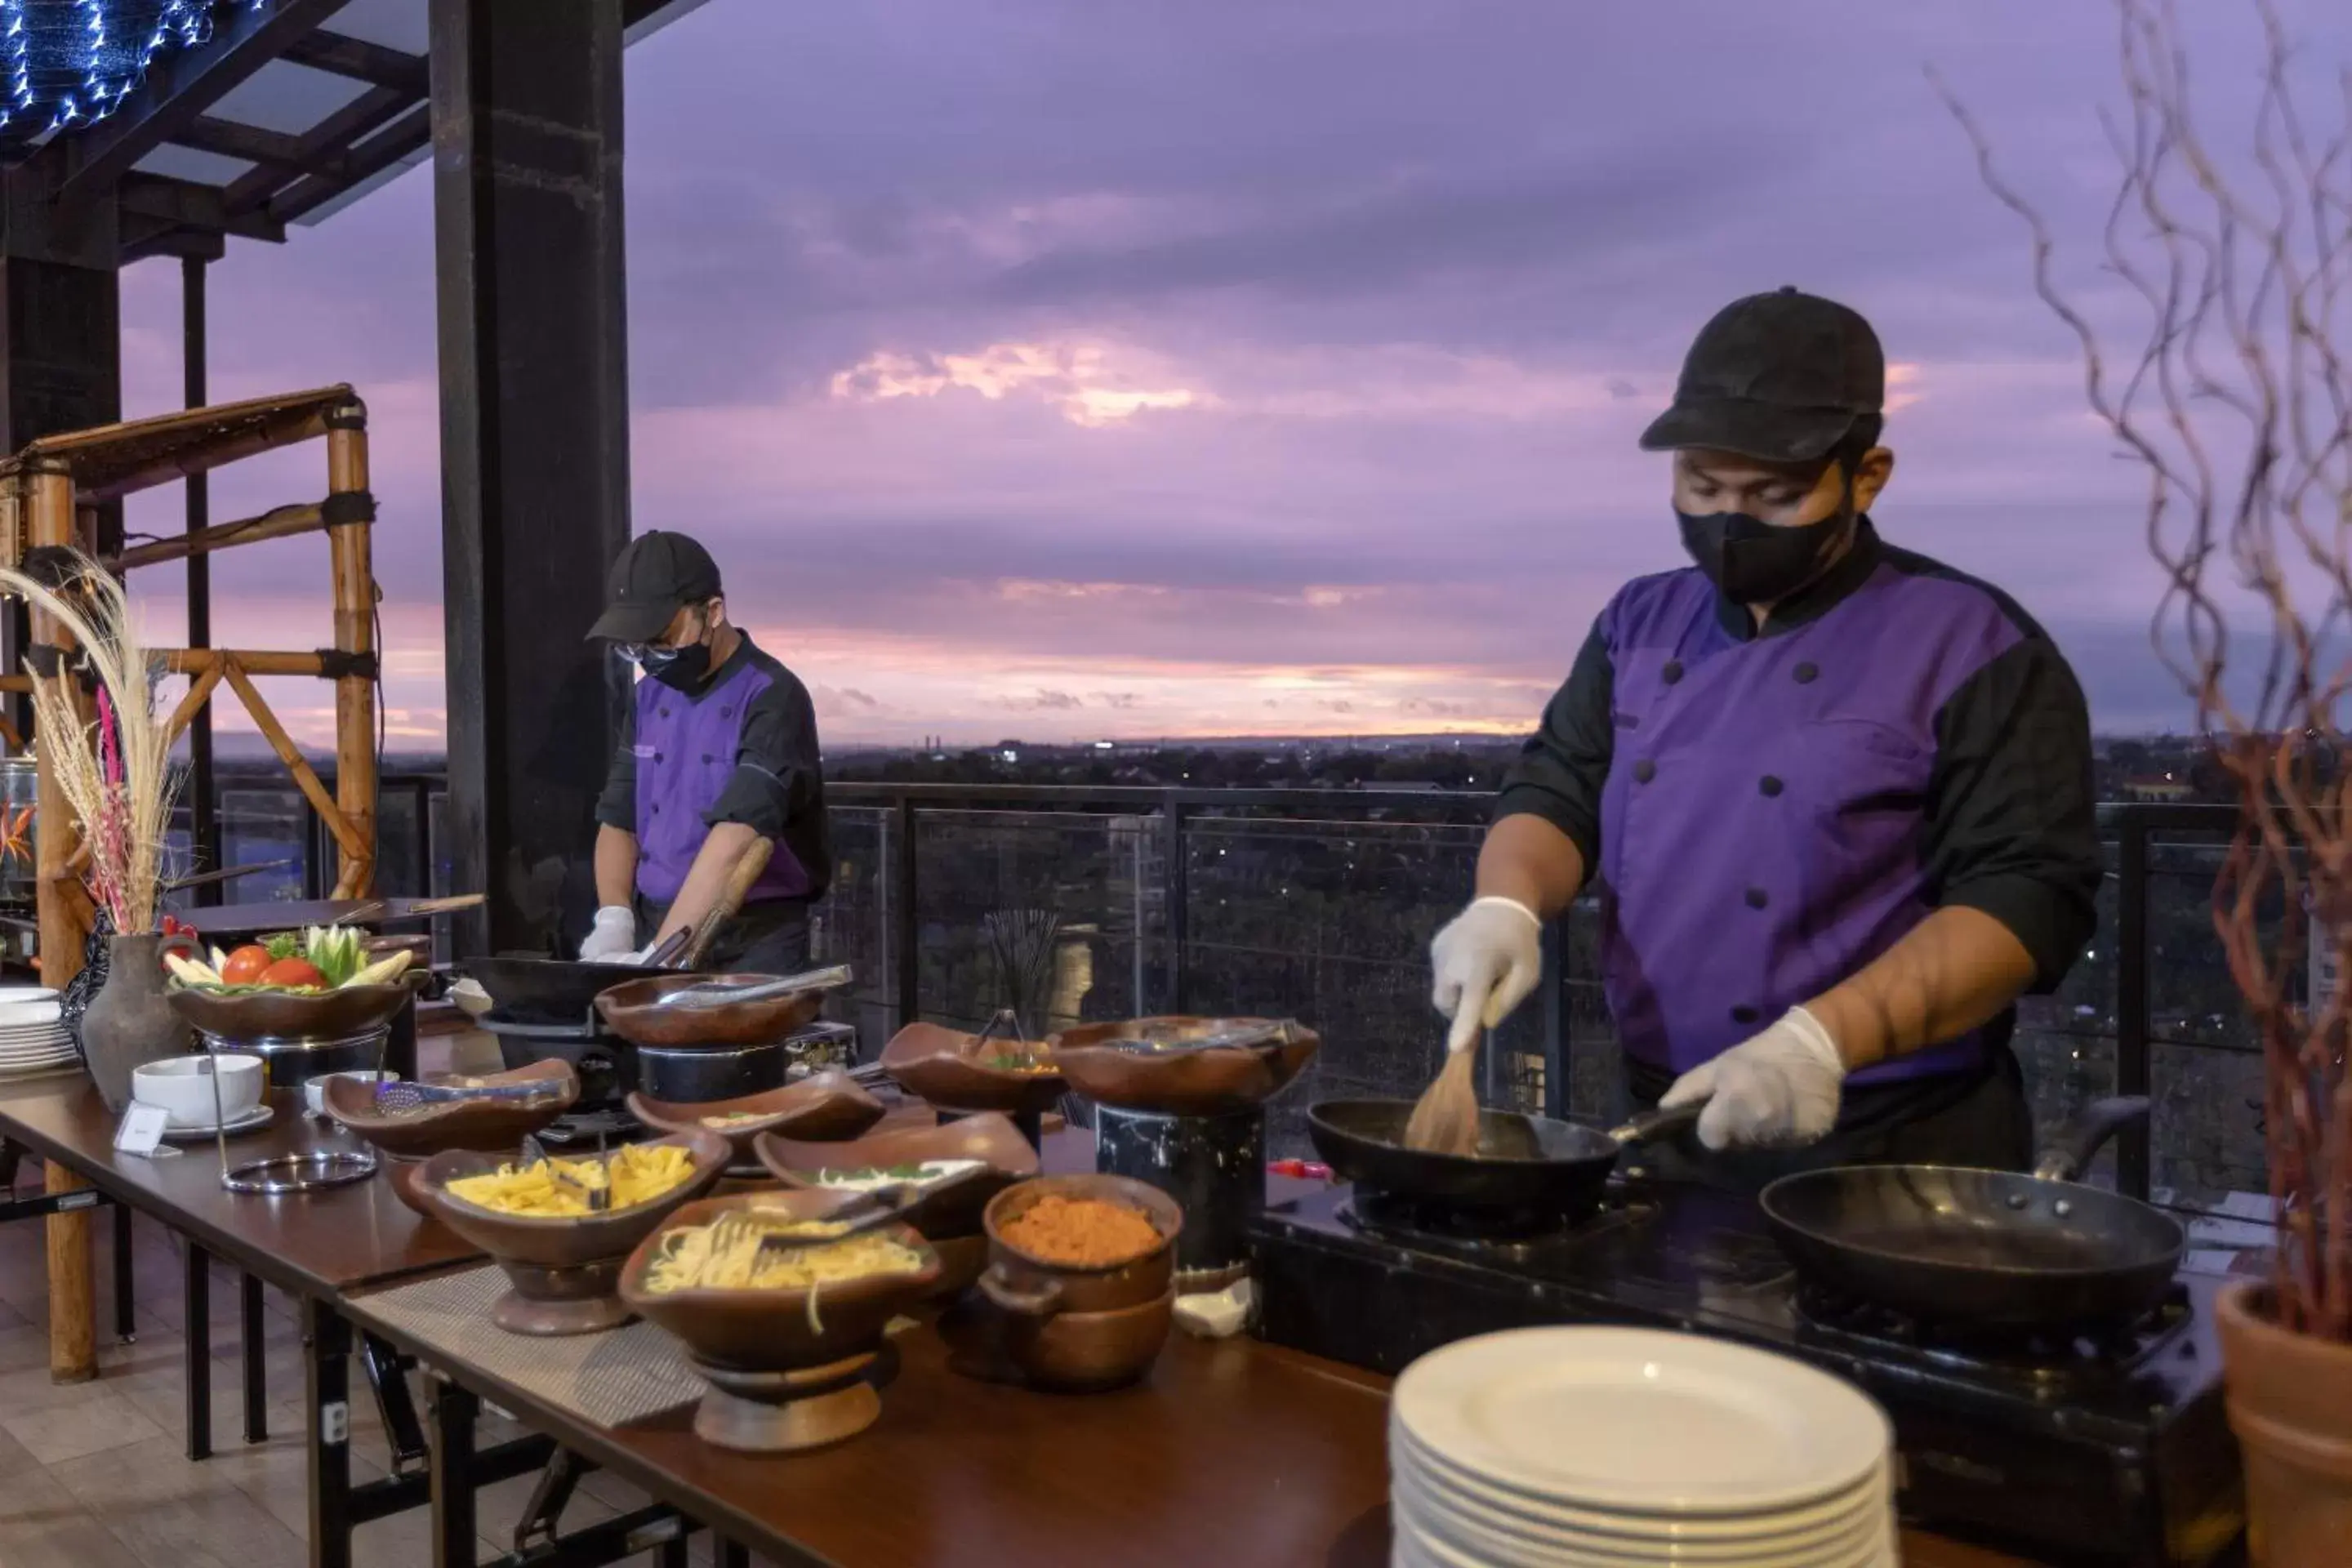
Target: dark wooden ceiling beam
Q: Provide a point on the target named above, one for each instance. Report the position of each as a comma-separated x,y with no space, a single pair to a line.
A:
360,60
179,89
255,144
406,135
190,204
331,139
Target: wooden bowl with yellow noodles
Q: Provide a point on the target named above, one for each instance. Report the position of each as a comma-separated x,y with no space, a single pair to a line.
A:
563,1255
788,1331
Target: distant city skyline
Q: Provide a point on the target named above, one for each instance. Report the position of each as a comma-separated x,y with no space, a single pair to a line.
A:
1061,371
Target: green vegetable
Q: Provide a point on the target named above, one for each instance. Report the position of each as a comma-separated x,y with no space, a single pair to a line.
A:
335,951
282,945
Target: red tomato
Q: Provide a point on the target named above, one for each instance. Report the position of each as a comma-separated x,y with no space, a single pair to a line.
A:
245,966
291,971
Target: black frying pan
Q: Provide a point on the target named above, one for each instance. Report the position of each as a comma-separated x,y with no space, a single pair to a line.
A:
1524,1162
557,990
1987,1248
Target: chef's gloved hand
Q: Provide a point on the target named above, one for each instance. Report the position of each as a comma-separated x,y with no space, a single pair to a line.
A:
1483,964
612,936
1777,1090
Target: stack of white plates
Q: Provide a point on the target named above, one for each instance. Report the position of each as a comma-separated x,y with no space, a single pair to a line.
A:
32,1036
1593,1447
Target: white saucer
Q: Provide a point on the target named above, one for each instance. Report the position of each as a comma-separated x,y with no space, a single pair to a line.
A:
257,1117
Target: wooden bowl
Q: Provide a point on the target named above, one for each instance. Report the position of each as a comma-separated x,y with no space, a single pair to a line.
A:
563,1270
1087,1353
1021,1282
630,1011
1218,1081
950,1214
489,1125
822,1106
947,1067
288,1015
777,1385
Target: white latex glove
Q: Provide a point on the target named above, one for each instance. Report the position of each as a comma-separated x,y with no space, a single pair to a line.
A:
611,936
1483,965
1778,1089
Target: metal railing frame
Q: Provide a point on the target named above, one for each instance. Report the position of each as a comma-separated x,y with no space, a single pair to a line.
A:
2134,827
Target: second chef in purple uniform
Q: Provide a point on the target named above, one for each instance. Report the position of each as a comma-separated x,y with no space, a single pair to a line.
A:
1837,797
718,748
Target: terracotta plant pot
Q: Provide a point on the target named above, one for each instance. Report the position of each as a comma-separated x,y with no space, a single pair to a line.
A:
130,1022
2290,1400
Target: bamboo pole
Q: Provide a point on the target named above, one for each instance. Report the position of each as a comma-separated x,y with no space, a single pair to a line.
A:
64,927
355,719
73,1314
279,522
200,690
305,776
252,661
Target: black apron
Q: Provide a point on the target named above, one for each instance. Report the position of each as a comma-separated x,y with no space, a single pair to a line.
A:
769,937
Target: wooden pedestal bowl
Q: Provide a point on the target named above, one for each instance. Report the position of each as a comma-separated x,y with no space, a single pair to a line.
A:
1064,1326
949,1220
291,1014
821,1107
1114,1065
950,1069
779,1385
631,1012
563,1270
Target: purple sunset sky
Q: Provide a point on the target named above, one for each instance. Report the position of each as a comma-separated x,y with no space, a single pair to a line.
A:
1056,369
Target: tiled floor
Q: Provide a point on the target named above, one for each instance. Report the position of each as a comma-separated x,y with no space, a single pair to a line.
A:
94,1476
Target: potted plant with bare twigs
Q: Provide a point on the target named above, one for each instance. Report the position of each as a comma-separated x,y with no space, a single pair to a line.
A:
101,740
2236,404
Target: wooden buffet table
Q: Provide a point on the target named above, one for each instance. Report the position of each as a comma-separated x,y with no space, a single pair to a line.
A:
1232,1454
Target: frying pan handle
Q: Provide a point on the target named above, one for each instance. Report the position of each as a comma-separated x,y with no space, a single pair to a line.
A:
2083,1135
1042,1302
1652,1124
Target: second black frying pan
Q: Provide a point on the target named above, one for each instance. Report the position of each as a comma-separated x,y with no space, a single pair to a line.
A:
1524,1162
556,990
1993,1249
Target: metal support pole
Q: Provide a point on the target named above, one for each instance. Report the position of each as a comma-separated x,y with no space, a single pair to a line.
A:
1173,898
455,1410
126,1285
903,925
196,1326
327,1388
256,1369
2132,999
203,821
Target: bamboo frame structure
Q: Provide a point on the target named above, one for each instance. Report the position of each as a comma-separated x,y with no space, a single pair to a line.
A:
50,493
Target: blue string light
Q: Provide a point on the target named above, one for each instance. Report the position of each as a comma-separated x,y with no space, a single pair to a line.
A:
67,64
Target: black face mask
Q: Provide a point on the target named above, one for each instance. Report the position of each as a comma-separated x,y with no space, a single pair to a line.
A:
1752,562
679,668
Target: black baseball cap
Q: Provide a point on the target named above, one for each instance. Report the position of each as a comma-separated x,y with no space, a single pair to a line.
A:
1783,376
657,573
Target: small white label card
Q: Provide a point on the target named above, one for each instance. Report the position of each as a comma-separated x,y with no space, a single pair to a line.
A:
142,1131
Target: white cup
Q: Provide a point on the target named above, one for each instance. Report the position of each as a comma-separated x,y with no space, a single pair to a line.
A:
183,1087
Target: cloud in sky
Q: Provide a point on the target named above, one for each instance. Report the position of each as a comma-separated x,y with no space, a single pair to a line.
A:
1059,369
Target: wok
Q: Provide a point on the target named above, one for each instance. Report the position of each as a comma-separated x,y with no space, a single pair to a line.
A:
1524,1162
1991,1249
554,990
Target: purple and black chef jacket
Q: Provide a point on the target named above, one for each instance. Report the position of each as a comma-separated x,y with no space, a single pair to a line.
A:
1768,813
742,749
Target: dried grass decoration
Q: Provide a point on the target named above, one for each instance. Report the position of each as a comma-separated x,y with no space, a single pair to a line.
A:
115,768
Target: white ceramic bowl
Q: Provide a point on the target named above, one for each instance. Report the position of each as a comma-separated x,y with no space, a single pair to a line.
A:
184,1086
314,1090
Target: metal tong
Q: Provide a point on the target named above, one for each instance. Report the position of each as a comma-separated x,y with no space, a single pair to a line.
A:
599,1198
718,993
876,1206
1279,1033
398,1096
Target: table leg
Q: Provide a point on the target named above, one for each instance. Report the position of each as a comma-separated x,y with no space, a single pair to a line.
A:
73,1324
734,1554
671,1554
454,1411
197,1326
326,1376
126,1302
256,1369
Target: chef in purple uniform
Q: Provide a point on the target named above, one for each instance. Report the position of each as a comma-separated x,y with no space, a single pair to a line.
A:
718,749
1837,797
